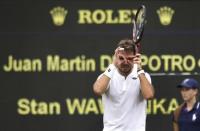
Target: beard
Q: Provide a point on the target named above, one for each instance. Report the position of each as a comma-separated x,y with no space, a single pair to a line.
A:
125,68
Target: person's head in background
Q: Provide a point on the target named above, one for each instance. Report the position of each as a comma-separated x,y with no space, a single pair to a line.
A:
189,89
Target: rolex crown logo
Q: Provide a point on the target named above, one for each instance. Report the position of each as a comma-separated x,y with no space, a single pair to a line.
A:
58,15
165,15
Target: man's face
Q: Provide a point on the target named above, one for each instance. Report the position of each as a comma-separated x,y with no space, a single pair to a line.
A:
125,61
188,94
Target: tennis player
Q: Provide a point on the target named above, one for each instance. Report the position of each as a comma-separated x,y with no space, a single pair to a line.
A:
124,96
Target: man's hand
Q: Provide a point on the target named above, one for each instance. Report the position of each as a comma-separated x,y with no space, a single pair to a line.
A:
116,57
137,60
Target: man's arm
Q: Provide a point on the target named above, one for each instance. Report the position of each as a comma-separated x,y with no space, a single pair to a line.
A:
101,84
175,126
176,115
146,87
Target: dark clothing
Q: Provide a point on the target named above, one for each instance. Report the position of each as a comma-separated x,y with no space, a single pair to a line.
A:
189,120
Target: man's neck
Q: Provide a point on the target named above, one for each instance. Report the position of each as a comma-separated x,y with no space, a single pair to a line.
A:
190,104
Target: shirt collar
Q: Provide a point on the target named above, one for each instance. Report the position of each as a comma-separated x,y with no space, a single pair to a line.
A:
195,107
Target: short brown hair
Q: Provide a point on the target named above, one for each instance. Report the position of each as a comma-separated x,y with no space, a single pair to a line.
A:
128,45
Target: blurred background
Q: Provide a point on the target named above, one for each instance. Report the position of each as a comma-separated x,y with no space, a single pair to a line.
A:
52,51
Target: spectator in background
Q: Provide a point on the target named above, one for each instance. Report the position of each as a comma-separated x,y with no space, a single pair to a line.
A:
187,116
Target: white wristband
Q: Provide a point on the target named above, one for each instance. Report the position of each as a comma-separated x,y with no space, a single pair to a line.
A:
110,70
140,72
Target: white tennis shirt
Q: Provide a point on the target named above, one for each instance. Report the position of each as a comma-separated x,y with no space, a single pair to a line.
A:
124,105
